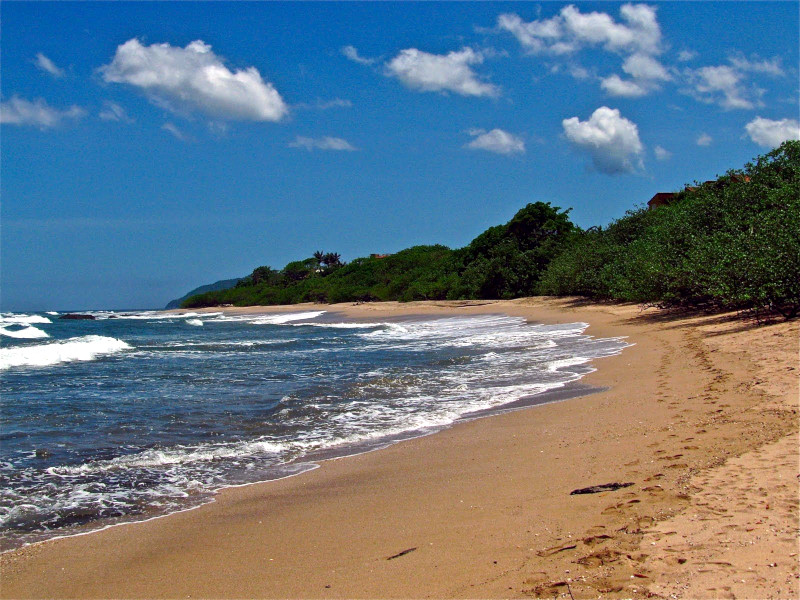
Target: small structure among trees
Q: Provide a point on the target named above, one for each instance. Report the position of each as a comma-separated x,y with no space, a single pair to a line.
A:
660,199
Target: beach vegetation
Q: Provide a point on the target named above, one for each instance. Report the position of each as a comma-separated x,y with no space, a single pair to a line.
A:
731,243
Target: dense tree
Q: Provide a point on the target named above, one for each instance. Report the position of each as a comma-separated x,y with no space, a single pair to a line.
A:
732,243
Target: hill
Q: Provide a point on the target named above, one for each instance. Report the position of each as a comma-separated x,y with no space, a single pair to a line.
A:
731,243
217,286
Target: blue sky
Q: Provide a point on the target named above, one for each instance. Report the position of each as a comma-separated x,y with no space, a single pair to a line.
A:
148,148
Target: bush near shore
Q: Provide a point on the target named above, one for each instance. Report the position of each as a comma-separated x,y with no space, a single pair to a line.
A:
729,244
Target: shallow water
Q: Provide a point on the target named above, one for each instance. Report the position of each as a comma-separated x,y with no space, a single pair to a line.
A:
138,414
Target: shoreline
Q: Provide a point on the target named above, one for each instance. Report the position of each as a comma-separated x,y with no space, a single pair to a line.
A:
333,531
561,392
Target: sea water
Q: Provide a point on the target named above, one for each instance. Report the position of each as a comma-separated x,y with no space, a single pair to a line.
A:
138,414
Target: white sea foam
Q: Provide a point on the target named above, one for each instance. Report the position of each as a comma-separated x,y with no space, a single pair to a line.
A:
344,325
21,319
88,347
273,319
148,315
176,455
195,322
29,332
51,312
287,318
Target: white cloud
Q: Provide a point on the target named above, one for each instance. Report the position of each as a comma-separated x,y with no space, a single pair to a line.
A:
439,73
18,111
323,143
616,86
768,67
644,67
686,55
720,85
536,35
114,112
173,129
578,72
646,73
610,139
704,139
335,103
662,153
351,53
325,104
769,133
637,35
47,65
497,141
195,78
571,30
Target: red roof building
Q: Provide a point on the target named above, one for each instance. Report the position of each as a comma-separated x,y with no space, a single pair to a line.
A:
660,199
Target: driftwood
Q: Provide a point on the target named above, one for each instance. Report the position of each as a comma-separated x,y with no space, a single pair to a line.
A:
606,487
399,554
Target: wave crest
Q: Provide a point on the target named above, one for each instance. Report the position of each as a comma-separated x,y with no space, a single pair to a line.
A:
88,347
27,333
20,319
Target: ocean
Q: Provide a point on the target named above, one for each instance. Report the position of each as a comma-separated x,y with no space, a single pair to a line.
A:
138,414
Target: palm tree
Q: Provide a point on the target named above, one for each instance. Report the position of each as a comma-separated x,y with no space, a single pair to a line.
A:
332,259
319,256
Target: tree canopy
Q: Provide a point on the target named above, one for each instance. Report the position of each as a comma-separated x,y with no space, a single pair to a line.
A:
729,244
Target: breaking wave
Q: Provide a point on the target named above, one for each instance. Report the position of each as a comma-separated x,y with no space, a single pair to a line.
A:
88,347
27,333
20,319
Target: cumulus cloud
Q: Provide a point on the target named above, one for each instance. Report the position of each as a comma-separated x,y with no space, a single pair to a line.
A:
662,153
351,53
571,30
114,112
194,78
441,72
47,65
497,141
646,74
769,133
768,67
704,139
719,85
727,85
637,34
18,111
645,67
614,85
323,143
686,55
611,140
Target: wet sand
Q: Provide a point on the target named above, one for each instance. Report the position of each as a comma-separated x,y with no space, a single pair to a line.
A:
701,416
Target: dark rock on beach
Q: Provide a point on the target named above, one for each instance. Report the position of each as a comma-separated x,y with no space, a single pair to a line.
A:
605,487
78,317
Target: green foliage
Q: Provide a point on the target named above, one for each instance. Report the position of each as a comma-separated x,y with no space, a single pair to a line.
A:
506,261
732,243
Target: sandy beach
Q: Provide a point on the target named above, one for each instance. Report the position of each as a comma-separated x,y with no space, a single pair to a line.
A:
700,415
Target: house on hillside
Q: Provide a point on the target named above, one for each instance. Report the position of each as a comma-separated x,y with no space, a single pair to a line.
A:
660,199
379,255
664,198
